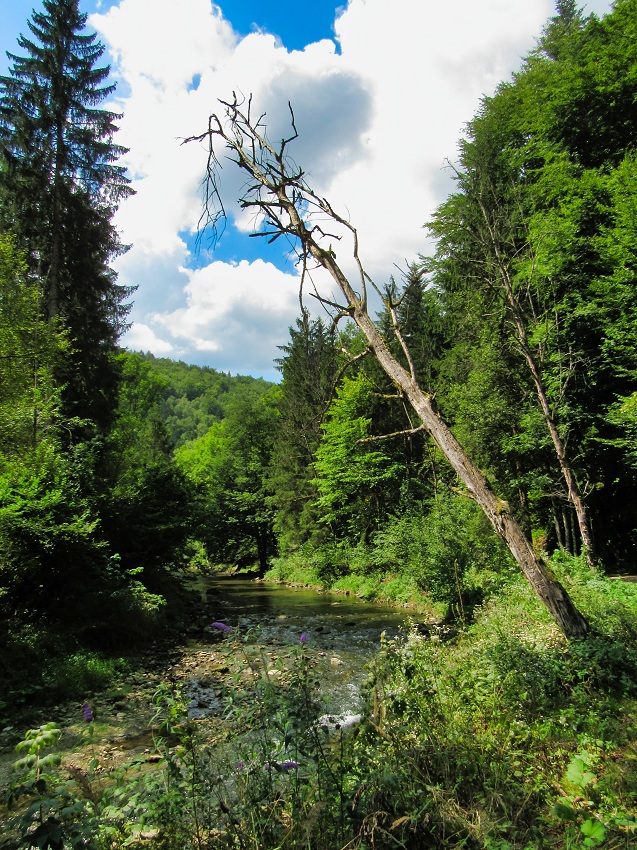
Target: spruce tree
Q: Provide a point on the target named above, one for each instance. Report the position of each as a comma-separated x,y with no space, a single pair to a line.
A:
309,369
61,184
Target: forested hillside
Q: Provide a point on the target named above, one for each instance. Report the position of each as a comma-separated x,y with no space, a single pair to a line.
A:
193,398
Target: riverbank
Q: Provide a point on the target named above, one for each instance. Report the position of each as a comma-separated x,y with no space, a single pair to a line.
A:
204,663
507,737
392,589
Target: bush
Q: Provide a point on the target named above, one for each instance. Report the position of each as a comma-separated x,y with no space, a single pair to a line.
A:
80,674
447,548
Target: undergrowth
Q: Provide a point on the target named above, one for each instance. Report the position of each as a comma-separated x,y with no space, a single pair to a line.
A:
505,738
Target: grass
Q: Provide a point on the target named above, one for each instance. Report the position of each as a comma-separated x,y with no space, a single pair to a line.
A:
507,737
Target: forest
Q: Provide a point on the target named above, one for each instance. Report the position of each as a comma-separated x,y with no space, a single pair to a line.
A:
468,452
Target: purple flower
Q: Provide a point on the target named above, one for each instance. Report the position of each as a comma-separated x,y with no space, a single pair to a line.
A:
88,714
304,638
281,768
222,627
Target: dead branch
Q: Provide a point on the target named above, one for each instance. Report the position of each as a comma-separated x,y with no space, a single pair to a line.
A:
409,433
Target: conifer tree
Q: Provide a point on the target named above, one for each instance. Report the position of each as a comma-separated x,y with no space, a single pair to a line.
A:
309,368
60,186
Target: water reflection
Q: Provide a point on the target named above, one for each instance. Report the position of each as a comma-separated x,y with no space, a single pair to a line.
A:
342,631
330,620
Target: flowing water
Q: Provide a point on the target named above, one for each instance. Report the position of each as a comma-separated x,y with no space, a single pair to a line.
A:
342,632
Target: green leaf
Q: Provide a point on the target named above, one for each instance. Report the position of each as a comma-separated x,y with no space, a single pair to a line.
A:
564,811
577,773
594,831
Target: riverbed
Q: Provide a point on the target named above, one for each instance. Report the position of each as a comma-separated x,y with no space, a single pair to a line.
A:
261,628
339,632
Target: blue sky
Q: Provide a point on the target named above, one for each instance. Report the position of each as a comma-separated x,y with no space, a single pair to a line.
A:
381,91
295,28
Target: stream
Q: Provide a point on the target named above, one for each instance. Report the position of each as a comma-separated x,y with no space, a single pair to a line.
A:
264,625
340,632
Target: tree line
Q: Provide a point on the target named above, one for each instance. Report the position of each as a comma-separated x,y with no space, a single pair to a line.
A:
517,333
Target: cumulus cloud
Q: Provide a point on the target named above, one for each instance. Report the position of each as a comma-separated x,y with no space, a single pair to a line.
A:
235,312
143,338
379,110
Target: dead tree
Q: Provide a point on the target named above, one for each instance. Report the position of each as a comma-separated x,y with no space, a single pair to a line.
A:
277,192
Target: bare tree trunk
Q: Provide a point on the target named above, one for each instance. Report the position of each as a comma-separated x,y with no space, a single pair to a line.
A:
279,192
574,492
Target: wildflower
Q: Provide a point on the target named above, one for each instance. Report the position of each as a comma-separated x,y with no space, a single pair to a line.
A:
240,765
283,767
222,627
88,714
304,638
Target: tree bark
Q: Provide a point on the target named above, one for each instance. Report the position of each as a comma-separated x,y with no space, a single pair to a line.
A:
278,189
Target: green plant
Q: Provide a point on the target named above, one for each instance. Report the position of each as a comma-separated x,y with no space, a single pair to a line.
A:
583,808
55,817
80,673
264,775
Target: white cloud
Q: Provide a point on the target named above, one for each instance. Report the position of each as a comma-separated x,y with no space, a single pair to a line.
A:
235,311
142,338
377,122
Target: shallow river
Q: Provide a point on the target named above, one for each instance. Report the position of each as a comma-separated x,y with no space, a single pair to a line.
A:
342,631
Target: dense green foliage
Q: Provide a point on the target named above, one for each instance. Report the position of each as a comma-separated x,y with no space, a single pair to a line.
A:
228,466
194,397
308,368
544,184
94,514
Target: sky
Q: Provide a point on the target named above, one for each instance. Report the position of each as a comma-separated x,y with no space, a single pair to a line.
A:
381,92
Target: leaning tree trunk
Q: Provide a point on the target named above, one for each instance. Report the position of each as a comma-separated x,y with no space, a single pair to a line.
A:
278,191
549,590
